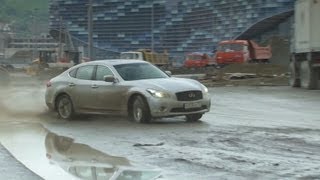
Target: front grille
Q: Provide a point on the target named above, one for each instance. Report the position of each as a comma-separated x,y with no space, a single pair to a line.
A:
189,96
179,110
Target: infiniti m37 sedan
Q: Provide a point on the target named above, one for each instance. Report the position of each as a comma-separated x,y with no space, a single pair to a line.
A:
133,88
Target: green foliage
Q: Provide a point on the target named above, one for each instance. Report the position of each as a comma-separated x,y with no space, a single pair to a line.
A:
22,14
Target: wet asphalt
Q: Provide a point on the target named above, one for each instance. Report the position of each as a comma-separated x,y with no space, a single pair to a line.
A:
250,133
12,169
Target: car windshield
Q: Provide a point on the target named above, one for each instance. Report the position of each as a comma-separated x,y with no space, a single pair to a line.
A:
139,71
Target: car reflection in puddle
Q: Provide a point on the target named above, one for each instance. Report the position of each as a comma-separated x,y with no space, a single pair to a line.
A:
87,163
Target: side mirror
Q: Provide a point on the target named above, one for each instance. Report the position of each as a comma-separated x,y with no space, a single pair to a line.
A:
169,73
109,78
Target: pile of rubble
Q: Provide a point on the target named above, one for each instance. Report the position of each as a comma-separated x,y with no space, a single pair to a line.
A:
247,74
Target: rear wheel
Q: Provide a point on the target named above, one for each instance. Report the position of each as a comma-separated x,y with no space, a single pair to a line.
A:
294,80
139,110
308,76
193,117
65,107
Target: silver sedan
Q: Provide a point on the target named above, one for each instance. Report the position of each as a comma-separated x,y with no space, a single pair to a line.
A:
133,88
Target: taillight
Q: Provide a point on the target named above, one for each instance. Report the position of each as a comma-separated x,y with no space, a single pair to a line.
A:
49,84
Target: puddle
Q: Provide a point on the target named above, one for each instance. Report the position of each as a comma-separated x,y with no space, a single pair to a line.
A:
58,157
85,162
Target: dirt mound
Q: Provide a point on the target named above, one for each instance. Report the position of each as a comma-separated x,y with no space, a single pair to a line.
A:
249,75
259,69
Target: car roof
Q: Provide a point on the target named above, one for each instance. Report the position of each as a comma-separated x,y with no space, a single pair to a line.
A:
113,62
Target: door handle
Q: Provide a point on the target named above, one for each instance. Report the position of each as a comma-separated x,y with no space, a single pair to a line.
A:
72,84
94,86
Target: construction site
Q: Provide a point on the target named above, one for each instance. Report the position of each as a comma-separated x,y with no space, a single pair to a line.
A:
70,42
44,58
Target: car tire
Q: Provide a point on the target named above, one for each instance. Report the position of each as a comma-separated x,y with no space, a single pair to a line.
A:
140,112
64,107
193,117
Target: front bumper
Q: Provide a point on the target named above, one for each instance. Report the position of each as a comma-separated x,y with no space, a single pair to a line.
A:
168,107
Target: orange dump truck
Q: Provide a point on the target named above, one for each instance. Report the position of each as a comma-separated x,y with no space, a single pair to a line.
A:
194,60
241,51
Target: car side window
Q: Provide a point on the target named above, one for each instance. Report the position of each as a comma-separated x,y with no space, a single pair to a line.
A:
101,72
85,72
73,73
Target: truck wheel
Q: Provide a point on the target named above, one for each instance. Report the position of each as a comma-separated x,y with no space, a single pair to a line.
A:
308,76
294,80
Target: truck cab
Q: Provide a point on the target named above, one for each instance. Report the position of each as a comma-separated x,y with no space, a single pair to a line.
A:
132,55
232,52
241,51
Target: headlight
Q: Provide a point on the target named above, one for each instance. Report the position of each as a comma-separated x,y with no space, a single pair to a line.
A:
158,94
205,89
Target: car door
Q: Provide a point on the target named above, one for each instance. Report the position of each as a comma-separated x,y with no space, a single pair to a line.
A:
83,94
109,97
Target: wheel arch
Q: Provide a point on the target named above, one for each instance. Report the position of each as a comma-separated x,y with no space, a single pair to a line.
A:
58,95
131,98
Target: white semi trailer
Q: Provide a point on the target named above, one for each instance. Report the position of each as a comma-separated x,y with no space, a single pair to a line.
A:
305,55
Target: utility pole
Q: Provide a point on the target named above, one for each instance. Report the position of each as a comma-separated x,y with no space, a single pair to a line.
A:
90,34
152,26
60,39
33,34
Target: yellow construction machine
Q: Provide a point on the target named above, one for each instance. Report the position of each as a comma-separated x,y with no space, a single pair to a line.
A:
48,61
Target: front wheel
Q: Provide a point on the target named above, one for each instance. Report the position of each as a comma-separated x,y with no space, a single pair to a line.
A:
193,117
65,107
140,112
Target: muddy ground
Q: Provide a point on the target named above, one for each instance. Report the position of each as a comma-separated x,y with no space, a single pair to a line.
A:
250,133
239,75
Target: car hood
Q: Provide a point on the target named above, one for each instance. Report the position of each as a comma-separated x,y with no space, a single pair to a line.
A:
169,84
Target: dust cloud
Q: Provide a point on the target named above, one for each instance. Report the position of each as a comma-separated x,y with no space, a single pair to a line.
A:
22,101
